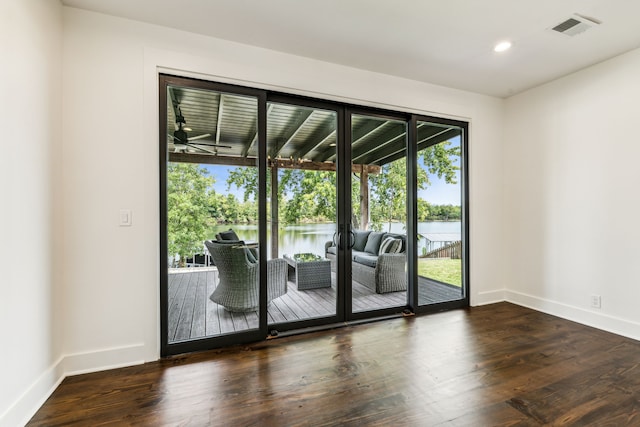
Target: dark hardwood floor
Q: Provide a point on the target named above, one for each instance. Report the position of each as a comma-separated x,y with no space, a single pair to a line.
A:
496,365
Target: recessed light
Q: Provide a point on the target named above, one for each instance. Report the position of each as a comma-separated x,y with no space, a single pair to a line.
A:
187,129
502,46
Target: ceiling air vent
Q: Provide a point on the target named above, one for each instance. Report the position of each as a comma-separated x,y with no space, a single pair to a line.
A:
576,25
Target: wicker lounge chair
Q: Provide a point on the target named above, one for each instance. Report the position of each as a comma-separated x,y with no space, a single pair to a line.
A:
237,290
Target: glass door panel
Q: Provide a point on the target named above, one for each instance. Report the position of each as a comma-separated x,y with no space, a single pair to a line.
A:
378,213
212,286
439,203
302,220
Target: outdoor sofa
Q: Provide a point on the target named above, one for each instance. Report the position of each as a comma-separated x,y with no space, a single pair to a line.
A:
378,260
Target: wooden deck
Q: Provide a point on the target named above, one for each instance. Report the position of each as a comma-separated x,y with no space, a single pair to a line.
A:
193,315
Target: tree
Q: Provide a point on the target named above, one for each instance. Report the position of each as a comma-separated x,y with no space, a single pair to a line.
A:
247,179
305,195
440,160
388,189
388,194
187,208
302,194
312,195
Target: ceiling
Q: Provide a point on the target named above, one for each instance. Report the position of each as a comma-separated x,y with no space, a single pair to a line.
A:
222,129
449,43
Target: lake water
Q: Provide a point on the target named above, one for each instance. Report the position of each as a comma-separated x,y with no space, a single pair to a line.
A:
300,238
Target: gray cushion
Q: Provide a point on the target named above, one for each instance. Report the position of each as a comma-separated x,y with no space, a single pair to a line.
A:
368,260
251,255
373,243
332,250
227,235
354,254
360,239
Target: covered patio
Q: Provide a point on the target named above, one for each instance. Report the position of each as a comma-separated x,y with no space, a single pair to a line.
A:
210,127
215,128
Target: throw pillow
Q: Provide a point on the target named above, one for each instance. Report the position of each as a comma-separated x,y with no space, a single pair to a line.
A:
373,242
360,239
396,248
390,246
386,245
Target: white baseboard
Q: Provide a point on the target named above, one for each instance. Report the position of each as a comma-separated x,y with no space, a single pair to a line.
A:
488,297
28,403
586,317
101,360
21,411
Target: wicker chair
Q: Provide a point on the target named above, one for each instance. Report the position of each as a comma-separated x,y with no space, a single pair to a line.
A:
237,290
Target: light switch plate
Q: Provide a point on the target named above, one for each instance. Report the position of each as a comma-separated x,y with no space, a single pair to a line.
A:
125,217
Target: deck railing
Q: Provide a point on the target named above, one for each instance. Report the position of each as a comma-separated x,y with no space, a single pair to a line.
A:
451,250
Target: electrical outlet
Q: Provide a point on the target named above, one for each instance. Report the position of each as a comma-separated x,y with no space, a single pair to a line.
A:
596,301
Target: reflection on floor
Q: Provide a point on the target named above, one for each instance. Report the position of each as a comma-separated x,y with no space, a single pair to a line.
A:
193,315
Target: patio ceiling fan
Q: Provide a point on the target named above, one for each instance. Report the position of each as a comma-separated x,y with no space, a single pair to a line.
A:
181,139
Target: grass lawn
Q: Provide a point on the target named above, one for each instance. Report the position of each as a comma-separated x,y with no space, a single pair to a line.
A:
442,269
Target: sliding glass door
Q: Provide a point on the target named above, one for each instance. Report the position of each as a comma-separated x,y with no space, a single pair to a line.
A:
213,287
378,218
441,213
302,216
282,212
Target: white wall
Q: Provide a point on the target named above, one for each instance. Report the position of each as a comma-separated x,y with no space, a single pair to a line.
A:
111,162
30,111
109,293
571,196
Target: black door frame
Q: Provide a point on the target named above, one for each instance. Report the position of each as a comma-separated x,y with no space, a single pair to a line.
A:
344,312
412,254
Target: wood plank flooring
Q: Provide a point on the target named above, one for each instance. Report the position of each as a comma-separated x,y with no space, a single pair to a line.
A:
496,365
193,315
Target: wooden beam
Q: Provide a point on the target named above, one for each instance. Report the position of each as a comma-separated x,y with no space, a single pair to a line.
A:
361,134
219,121
208,159
313,144
253,140
303,118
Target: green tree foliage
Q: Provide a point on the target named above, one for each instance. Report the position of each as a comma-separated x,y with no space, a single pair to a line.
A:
311,195
227,209
388,194
246,178
444,213
187,208
388,189
440,160
305,195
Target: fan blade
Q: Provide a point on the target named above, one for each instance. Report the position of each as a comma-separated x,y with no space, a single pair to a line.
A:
211,144
204,135
201,149
174,138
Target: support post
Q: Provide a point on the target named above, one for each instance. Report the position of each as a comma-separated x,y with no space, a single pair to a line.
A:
274,212
364,199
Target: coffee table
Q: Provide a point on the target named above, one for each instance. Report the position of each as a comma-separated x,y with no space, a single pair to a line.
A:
312,271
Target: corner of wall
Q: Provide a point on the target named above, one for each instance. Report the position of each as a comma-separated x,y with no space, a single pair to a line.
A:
28,403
